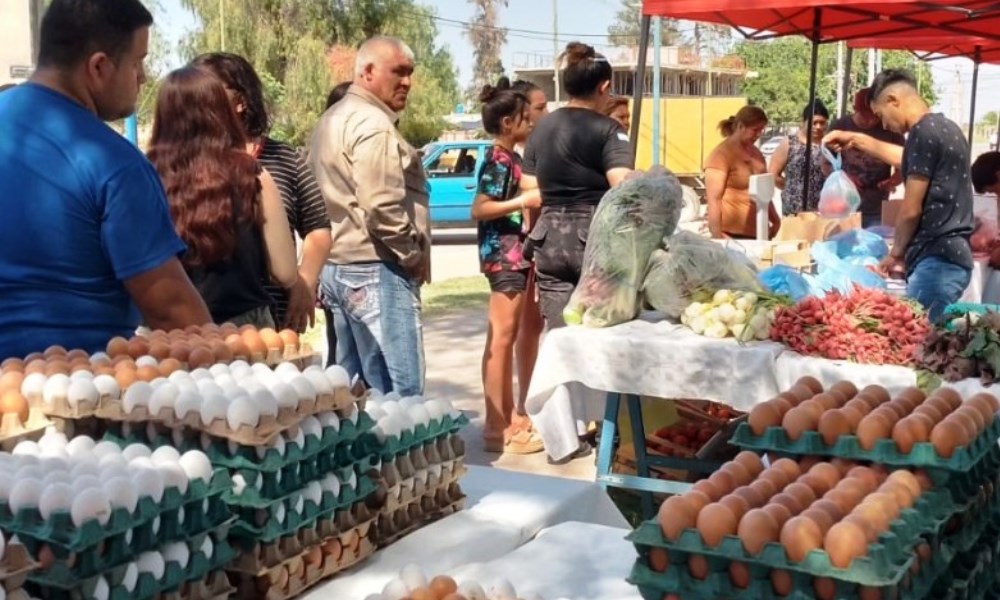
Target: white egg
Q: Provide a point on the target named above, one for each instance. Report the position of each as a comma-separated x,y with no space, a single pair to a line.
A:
531,596
207,547
165,455
134,451
502,590
149,482
80,445
201,374
88,467
85,482
319,382
242,412
392,408
239,484
391,425
32,387
54,456
146,361
449,409
410,401
154,526
375,597
137,394
277,443
224,380
174,476
250,385
158,383
163,397
338,376
313,492
219,369
177,377
285,394
52,439
295,436
105,448
351,481
260,368
393,396
267,379
177,552
99,357
91,503
109,472
130,578
266,403
298,504
353,412
102,591
81,375
302,387
6,486
331,483
53,477
196,465
379,432
405,422
472,591
329,420
152,563
111,461
413,576
188,402
189,386
107,386
286,370
395,590
311,426
313,369
55,388
213,408
280,513
122,493
435,410
30,472
374,412
239,367
57,497
206,386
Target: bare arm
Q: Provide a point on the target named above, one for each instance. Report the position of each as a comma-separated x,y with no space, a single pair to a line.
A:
891,154
716,180
779,160
315,250
166,297
616,176
277,236
487,208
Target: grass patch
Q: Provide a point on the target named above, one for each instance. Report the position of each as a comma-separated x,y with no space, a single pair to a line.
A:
456,294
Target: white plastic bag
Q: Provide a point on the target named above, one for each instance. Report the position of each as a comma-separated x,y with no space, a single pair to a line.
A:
839,197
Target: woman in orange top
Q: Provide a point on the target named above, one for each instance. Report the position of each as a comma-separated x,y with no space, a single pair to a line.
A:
731,211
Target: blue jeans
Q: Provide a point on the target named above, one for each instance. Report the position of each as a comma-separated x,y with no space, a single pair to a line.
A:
376,315
936,283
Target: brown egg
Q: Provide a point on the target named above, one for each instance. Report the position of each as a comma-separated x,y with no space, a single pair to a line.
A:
238,347
193,330
76,353
844,542
788,501
801,492
877,393
676,515
843,465
698,566
781,582
907,432
56,365
177,335
833,424
907,479
762,416
990,400
221,352
821,518
138,346
36,366
801,392
799,536
158,334
200,357
814,408
725,482
840,497
825,588
739,473
859,405
808,462
829,507
923,479
180,351
848,389
863,520
756,529
984,404
785,402
789,466
11,380
159,349
737,504
254,342
714,522
827,401
228,328
817,484
904,498
750,461
828,472
966,422
169,365
709,489
13,364
973,415
777,477
289,338
855,489
753,498
33,356
271,340
104,370
658,560
79,364
942,406
891,414
739,575
873,428
886,503
54,351
765,487
898,408
13,403
697,499
147,374
778,512
812,383
950,396
798,421
118,361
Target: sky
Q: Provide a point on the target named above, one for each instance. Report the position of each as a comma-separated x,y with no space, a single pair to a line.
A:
529,40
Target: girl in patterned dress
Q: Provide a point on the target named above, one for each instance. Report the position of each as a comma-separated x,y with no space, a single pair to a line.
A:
500,209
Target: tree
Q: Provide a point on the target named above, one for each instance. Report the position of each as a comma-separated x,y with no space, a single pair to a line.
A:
287,42
625,29
487,42
990,119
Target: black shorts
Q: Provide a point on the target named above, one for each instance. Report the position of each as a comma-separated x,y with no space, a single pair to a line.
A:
508,282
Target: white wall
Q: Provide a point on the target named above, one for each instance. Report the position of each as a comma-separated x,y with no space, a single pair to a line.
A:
15,31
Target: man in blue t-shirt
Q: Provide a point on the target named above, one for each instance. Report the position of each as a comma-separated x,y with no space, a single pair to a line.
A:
87,247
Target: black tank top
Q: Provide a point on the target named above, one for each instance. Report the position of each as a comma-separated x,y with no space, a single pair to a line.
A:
235,285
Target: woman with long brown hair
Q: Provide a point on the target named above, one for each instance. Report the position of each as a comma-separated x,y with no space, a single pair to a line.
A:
226,209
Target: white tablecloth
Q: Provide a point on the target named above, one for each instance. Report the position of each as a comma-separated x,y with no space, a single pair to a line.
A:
504,511
577,367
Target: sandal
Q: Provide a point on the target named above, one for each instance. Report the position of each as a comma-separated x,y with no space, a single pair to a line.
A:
514,442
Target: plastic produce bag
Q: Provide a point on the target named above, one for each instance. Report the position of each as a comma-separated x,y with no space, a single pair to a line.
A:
782,279
984,234
839,196
837,273
691,265
859,243
628,225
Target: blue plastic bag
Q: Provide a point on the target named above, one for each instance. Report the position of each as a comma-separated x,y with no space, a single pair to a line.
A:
839,196
860,243
782,279
839,274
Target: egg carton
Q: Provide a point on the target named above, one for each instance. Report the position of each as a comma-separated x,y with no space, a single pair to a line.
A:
256,558
13,431
885,452
301,573
91,427
60,531
215,586
965,529
886,561
421,434
282,518
124,583
265,489
406,491
431,507
965,486
17,563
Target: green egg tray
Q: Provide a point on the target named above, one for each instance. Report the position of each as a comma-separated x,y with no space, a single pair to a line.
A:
965,485
884,565
394,445
294,478
272,529
885,452
60,531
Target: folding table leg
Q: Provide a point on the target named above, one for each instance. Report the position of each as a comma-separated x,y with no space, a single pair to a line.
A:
606,446
639,445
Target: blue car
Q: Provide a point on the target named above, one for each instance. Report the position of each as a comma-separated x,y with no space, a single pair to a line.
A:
451,169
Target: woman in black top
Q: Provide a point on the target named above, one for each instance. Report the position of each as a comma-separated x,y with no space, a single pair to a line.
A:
573,157
226,209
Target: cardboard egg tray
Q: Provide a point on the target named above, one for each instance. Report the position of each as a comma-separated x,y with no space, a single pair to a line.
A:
406,491
92,427
395,445
434,505
13,431
294,576
15,567
215,586
61,407
202,500
922,455
147,587
885,564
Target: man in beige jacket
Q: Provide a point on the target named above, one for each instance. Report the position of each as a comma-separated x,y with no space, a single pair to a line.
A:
376,195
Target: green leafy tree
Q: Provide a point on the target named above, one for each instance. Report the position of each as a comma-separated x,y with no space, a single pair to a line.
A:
625,29
488,40
990,119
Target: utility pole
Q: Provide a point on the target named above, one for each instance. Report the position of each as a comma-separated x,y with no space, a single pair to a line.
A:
555,48
840,79
845,83
871,66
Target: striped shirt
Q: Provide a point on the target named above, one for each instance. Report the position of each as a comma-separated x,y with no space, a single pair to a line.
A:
303,201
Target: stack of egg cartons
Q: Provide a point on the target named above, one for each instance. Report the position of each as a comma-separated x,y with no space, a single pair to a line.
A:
422,459
107,522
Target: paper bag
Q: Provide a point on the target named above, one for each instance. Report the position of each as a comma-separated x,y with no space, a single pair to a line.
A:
812,227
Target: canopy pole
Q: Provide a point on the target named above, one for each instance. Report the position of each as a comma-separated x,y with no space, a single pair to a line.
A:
977,58
639,89
817,22
845,84
657,44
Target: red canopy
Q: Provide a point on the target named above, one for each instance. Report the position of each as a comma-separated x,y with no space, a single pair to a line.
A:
928,48
837,20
